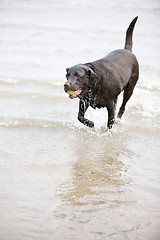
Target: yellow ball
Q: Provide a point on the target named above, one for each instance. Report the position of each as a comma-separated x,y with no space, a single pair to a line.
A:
71,92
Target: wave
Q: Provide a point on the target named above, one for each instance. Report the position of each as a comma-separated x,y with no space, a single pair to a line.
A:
31,88
31,122
16,81
123,127
63,124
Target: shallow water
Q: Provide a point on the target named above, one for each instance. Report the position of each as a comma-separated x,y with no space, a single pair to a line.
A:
59,179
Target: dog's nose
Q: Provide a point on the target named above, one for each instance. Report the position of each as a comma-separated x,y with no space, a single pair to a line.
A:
67,86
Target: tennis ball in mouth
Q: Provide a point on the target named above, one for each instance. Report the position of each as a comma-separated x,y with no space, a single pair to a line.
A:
71,92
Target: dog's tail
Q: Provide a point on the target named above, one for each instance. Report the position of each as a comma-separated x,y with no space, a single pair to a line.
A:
128,42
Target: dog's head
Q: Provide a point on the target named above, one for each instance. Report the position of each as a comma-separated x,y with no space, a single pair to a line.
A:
79,80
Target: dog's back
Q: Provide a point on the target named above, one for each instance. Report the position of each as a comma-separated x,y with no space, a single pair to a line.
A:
121,64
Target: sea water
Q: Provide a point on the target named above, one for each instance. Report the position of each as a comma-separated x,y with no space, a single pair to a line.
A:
59,179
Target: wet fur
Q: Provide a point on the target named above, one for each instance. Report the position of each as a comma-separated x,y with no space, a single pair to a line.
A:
103,80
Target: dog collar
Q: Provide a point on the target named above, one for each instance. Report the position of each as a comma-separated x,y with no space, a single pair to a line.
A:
92,85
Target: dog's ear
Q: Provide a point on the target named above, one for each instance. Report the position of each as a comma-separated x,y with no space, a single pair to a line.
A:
67,69
91,74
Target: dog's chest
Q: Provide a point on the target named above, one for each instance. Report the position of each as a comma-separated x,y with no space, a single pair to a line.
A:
96,101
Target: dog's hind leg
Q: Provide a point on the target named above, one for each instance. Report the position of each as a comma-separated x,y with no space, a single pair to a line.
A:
128,90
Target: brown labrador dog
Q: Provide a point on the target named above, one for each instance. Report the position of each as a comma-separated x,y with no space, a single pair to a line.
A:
98,84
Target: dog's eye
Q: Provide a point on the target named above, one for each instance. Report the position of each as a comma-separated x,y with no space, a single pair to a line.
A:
76,75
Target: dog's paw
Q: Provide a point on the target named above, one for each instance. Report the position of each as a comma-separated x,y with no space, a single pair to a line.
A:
90,124
86,122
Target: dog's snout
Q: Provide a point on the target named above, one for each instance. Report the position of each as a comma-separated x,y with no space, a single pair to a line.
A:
67,86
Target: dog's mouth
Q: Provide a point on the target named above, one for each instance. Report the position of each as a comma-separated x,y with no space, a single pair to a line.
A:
74,94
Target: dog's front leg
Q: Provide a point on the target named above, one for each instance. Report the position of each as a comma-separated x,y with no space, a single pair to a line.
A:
83,105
